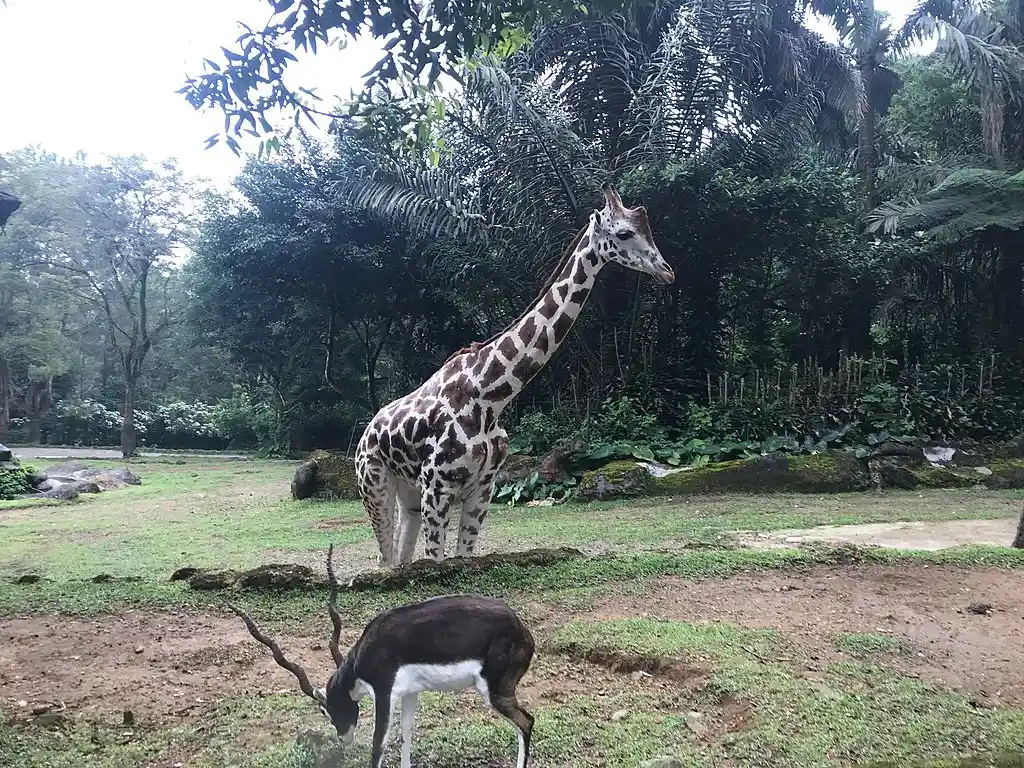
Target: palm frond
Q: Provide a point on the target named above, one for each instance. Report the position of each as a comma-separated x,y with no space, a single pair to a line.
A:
968,202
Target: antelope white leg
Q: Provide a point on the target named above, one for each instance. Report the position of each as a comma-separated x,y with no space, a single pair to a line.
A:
409,703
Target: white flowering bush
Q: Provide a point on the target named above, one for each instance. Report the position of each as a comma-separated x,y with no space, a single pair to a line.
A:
184,425
236,422
84,422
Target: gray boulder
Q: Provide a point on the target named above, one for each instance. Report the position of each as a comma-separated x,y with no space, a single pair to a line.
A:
6,454
86,479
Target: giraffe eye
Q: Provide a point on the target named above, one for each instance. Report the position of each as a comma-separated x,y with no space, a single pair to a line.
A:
624,235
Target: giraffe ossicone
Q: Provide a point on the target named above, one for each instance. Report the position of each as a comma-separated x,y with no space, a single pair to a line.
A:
439,447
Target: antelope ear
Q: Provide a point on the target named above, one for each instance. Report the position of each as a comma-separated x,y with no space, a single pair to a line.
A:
611,197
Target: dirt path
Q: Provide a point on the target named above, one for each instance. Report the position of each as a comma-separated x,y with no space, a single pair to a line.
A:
169,667
927,605
60,452
928,535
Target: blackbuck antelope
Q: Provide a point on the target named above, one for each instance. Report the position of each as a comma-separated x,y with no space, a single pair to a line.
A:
446,643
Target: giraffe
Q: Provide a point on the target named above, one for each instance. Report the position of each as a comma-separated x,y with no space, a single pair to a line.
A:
440,446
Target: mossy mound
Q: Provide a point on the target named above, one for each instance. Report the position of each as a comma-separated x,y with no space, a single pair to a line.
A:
616,480
908,475
425,571
829,472
325,476
1008,473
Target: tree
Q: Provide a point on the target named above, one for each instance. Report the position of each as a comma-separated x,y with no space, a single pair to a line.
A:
111,231
421,42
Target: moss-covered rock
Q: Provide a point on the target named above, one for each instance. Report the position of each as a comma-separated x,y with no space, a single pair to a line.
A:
829,472
1008,473
617,480
909,475
325,476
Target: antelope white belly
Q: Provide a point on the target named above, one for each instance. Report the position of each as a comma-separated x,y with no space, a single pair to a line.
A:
416,678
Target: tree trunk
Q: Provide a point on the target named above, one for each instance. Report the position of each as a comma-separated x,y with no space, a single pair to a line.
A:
129,439
1018,540
37,401
35,429
866,134
867,46
5,400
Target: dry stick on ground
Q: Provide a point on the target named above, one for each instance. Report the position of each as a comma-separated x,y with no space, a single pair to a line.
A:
1018,540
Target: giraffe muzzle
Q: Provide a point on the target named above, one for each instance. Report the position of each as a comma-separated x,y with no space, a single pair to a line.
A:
665,276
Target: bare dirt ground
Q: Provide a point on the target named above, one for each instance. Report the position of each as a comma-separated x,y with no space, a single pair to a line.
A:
979,654
169,667
63,452
930,535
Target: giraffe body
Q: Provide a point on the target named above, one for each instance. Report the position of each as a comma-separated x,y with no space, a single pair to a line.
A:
439,447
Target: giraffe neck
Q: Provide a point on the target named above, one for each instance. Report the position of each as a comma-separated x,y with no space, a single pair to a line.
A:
514,357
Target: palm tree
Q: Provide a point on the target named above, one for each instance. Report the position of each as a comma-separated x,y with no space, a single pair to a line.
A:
980,41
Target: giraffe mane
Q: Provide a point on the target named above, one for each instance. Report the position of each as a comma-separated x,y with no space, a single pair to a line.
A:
566,256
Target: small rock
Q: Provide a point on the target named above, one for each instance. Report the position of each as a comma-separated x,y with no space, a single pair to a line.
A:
695,722
138,649
662,762
212,580
182,574
63,493
28,578
619,715
981,608
985,471
128,718
42,709
50,719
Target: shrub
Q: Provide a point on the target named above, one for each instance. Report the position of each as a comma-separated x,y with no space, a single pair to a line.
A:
14,480
184,425
622,420
85,422
242,422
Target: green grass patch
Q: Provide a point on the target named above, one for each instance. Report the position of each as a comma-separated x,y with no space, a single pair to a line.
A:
851,713
107,743
217,513
574,581
866,644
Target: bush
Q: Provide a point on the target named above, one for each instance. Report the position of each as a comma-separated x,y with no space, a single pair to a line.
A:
622,420
184,425
14,480
241,422
85,422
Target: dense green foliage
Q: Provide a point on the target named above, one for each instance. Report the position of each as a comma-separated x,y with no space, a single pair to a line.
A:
341,274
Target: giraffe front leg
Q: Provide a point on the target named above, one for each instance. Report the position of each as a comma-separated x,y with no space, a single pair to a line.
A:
409,521
474,510
377,490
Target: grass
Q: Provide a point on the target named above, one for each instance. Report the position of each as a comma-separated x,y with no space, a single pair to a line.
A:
228,513
867,644
755,703
854,712
569,582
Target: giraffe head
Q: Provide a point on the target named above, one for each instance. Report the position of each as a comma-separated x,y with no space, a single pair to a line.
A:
623,235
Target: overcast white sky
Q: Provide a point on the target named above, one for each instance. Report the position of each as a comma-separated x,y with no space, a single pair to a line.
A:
101,75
